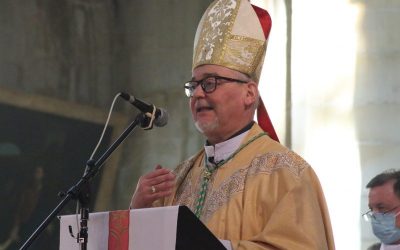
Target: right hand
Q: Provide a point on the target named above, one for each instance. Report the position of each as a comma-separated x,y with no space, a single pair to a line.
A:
152,186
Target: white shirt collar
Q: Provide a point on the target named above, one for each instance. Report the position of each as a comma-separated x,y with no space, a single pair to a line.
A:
223,150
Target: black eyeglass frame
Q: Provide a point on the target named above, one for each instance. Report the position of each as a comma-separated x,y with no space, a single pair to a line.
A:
207,86
370,214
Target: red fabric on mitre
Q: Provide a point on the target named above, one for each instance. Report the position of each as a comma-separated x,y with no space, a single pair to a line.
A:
265,20
265,122
262,115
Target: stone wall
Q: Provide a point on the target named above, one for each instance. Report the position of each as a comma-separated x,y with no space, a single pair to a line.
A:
85,52
66,55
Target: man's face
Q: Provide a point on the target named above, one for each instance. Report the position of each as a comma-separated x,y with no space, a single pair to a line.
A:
382,199
218,115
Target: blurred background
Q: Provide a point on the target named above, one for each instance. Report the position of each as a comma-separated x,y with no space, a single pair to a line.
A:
330,83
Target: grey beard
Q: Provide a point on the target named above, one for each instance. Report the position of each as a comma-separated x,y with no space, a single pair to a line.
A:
207,127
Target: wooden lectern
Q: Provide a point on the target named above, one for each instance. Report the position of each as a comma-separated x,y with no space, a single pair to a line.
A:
162,228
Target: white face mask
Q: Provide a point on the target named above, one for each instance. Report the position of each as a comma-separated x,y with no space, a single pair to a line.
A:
384,227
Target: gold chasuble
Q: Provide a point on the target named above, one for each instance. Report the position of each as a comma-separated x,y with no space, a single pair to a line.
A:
265,197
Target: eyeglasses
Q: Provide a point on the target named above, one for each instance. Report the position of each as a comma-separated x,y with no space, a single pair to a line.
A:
208,84
370,215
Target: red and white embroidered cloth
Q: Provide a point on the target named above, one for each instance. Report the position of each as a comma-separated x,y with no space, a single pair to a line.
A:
151,228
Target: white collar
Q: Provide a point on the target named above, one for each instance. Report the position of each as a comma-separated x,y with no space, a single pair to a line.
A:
221,151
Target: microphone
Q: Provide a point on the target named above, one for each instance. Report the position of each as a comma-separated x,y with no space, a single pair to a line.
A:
158,116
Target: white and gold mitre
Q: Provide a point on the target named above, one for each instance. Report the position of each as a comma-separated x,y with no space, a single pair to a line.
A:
233,34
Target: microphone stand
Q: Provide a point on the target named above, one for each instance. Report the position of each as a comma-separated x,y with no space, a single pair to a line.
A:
75,192
83,203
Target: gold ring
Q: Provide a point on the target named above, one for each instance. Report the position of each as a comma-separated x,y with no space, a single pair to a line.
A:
153,189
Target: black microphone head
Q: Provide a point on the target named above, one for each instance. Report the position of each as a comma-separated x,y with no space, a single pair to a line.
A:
162,119
125,96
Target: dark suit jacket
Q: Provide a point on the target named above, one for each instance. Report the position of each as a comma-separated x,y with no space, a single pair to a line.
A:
375,246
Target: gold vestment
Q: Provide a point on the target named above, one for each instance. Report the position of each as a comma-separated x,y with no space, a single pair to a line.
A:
265,197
